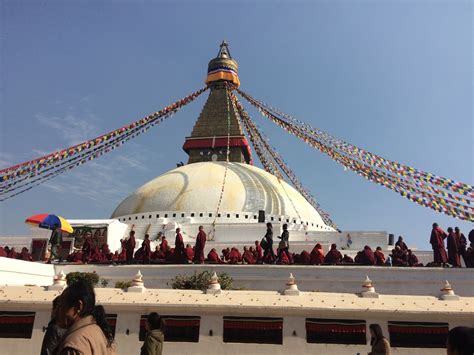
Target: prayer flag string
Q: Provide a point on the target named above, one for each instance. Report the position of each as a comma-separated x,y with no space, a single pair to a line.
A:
373,159
415,190
263,148
42,169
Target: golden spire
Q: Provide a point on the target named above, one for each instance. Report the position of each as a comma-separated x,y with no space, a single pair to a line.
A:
223,67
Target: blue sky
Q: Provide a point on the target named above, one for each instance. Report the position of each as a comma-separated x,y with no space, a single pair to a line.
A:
393,77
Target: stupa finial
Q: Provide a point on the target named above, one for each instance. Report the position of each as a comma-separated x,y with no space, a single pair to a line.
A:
223,68
224,50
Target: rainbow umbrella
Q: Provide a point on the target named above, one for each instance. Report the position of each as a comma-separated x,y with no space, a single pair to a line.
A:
48,221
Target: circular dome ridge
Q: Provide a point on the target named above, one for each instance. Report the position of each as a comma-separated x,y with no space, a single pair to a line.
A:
197,187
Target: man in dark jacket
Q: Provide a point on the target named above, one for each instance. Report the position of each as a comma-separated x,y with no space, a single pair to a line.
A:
53,334
153,344
269,246
55,241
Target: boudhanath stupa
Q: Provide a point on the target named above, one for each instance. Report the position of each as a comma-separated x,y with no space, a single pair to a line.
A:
275,309
221,188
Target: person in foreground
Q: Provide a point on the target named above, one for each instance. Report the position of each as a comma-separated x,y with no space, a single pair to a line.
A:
153,344
460,341
87,329
380,345
53,334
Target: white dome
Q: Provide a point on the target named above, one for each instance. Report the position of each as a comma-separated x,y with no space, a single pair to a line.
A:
197,187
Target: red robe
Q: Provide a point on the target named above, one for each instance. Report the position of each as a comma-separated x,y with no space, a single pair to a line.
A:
248,257
3,252
24,255
199,248
347,260
130,247
258,252
164,245
369,256
214,258
305,258
146,247
402,245
437,243
413,260
157,255
86,250
235,256
189,252
316,256
333,256
107,254
379,258
453,250
178,249
284,260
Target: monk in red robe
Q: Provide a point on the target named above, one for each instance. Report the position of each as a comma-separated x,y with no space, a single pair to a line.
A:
189,253
470,256
333,256
130,247
399,257
453,249
317,255
214,258
146,248
462,244
87,247
347,259
369,255
437,243
164,245
401,243
106,252
25,255
12,254
284,259
379,257
305,258
96,255
179,247
258,252
248,256
3,252
235,257
226,254
413,259
199,247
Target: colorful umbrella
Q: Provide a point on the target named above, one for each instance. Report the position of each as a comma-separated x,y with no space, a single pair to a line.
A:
48,221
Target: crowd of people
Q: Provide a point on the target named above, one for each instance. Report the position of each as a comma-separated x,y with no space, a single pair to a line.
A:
456,244
264,252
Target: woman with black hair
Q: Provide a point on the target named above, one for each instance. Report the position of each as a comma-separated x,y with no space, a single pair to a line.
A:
87,329
380,345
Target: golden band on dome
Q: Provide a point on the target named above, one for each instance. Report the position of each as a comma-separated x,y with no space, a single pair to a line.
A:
223,75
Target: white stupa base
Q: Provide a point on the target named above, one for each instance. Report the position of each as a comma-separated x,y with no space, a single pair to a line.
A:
369,294
291,289
449,297
291,292
212,291
136,289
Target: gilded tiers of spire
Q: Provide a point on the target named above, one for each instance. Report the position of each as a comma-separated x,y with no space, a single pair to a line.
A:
223,67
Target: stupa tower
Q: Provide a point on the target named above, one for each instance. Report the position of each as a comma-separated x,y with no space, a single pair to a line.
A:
208,140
